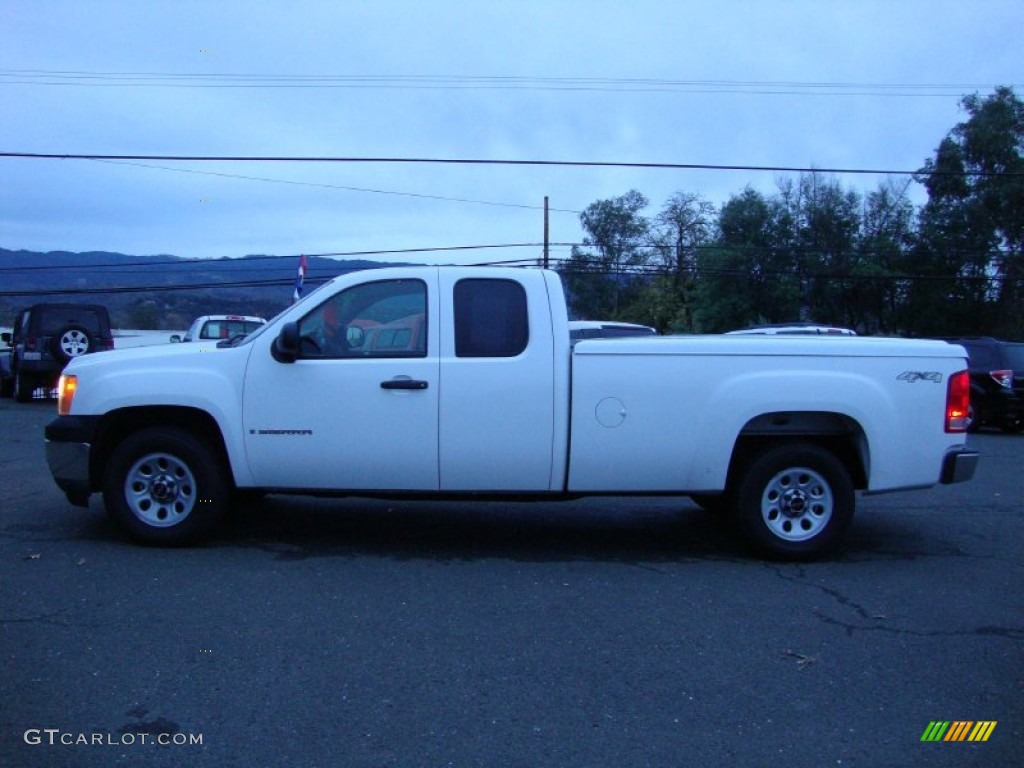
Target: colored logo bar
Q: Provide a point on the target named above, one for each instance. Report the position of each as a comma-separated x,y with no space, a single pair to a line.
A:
959,730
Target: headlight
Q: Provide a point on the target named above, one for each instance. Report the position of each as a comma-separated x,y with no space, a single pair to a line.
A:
66,393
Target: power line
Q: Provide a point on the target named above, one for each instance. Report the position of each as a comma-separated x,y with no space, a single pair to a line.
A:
79,78
491,161
338,186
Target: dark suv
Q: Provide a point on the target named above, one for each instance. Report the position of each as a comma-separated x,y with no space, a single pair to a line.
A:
46,337
997,382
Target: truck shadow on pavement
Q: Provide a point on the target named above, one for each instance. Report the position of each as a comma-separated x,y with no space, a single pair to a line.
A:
610,530
626,530
631,531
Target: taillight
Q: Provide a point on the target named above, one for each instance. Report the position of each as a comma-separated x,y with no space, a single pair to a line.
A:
1003,378
66,387
958,401
30,344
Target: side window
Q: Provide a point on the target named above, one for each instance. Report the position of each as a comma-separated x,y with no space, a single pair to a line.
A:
387,318
490,318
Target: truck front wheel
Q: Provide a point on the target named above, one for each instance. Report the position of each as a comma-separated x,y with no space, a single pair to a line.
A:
794,501
165,487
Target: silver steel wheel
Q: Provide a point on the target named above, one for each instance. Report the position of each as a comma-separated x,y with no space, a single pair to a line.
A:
160,490
74,342
797,504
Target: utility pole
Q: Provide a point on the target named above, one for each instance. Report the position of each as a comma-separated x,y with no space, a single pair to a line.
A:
546,250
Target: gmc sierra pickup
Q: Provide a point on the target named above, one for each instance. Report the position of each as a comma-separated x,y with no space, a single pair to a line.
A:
462,382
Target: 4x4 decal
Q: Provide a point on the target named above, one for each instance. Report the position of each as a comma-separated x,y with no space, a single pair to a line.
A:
912,376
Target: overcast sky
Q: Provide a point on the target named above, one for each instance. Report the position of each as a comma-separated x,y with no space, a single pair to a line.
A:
758,83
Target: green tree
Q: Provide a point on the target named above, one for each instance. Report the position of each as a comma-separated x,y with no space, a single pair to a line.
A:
887,237
748,278
600,276
820,222
685,225
972,227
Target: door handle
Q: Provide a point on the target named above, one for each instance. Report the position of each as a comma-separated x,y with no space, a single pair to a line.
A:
403,384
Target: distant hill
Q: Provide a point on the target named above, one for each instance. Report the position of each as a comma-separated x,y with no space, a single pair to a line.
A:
158,292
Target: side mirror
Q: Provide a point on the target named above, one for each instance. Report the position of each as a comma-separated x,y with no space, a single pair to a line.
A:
6,337
285,348
175,339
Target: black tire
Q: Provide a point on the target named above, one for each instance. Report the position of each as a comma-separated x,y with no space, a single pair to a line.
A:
6,386
165,487
70,342
794,501
24,386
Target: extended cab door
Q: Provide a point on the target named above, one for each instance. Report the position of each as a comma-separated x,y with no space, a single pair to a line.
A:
497,417
358,409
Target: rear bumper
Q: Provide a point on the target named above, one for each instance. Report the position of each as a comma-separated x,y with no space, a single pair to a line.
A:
959,466
39,367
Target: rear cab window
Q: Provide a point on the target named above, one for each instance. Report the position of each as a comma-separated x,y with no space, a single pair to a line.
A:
491,318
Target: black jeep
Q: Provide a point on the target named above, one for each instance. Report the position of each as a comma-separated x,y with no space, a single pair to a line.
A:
46,337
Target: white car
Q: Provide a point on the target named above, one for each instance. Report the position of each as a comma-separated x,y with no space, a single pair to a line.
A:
795,329
606,329
219,327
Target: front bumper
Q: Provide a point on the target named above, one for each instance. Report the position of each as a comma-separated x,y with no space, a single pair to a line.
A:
69,442
959,466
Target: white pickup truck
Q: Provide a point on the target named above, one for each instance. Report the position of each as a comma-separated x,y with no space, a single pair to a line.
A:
461,382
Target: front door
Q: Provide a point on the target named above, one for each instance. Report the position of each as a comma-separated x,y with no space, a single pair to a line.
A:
359,409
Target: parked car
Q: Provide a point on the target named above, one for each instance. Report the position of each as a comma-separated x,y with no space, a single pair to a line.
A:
46,337
997,382
601,329
220,327
794,329
496,403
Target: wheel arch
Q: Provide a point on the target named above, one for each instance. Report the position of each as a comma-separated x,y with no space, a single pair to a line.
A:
838,433
119,424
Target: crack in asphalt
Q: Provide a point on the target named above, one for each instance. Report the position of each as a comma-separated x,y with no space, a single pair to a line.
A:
1010,633
45,618
1015,634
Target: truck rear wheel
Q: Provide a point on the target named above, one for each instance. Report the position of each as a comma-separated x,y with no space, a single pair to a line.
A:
794,501
165,487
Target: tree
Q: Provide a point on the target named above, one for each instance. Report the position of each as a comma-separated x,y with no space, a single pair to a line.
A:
887,235
972,227
685,224
598,275
819,223
747,278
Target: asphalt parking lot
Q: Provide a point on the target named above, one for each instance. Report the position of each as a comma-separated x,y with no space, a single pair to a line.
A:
606,632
